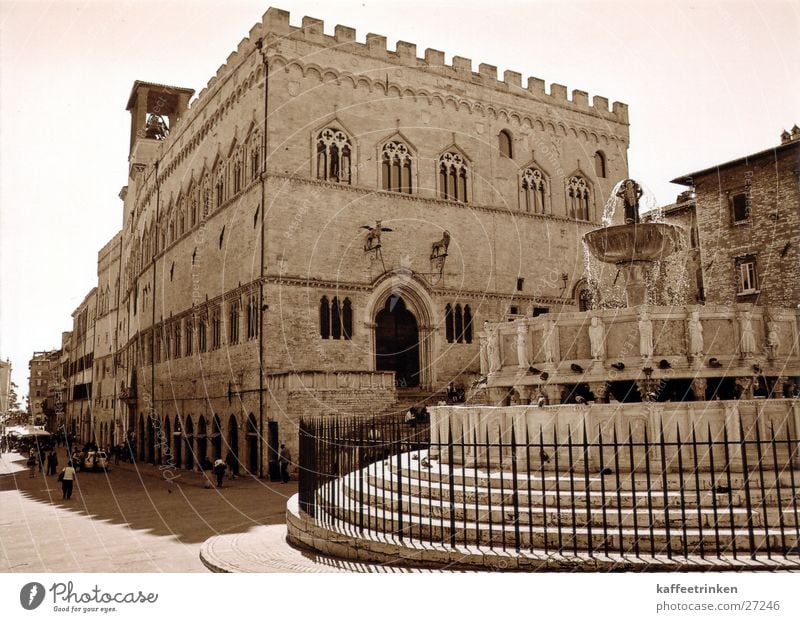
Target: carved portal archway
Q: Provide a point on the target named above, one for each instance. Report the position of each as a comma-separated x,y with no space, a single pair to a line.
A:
406,289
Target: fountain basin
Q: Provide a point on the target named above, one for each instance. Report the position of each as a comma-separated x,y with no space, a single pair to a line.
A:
634,242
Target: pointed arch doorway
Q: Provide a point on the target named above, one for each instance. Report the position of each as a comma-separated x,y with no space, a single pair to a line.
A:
397,342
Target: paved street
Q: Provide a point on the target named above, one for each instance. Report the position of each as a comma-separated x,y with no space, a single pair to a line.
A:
128,520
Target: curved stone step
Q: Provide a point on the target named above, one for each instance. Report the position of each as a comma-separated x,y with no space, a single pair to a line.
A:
595,498
624,539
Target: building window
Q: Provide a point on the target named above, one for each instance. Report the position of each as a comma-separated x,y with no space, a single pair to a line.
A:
534,190
520,283
396,167
347,319
233,322
189,344
448,324
167,342
176,341
537,311
600,164
739,207
252,316
334,154
513,310
324,318
254,166
458,323
505,144
157,347
216,328
335,318
453,174
201,334
747,274
193,213
578,198
220,193
237,177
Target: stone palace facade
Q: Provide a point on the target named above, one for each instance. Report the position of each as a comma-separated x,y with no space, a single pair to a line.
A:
323,230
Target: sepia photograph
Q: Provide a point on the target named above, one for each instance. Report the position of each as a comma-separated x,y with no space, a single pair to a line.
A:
503,291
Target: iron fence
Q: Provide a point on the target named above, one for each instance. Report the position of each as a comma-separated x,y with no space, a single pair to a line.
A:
688,493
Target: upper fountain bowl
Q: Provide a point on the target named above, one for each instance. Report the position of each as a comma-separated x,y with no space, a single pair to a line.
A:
634,242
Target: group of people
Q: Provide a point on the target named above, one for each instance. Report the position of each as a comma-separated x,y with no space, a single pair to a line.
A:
48,462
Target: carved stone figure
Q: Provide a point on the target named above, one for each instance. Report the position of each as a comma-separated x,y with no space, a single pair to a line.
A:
549,342
597,339
630,192
773,338
484,359
522,346
695,335
645,335
439,249
493,351
748,340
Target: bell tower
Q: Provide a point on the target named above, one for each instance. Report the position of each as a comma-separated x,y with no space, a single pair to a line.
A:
155,109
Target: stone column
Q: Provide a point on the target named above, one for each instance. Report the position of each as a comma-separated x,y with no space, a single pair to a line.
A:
746,382
524,392
552,392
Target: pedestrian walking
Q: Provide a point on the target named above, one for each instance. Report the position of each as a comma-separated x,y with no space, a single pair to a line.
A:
32,464
285,460
219,471
67,477
52,462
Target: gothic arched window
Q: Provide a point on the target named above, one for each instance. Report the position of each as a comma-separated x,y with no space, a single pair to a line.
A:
334,155
459,322
467,324
453,177
324,318
600,164
534,190
505,144
347,319
578,198
396,167
448,323
336,319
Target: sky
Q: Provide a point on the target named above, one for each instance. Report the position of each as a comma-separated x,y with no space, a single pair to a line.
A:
705,82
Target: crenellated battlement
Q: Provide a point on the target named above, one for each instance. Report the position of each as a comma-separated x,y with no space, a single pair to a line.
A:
312,30
375,46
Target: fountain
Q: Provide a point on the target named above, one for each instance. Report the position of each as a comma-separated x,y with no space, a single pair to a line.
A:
645,437
635,246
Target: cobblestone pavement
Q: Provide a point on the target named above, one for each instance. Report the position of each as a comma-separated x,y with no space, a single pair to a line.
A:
128,520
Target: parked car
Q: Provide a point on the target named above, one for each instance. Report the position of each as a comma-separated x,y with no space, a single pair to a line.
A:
95,461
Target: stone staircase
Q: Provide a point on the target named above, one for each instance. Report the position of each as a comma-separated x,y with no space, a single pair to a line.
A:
407,498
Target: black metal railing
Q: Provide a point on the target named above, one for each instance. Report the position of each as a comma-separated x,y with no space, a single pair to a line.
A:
691,492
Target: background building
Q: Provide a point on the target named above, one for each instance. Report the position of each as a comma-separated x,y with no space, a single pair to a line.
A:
41,368
80,368
5,386
748,222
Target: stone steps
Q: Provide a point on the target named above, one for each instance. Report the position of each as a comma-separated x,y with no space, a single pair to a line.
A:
657,540
567,498
467,477
557,512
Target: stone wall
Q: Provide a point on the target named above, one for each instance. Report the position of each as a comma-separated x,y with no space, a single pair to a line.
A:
771,233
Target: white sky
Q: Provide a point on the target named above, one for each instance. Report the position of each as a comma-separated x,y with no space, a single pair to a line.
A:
706,82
